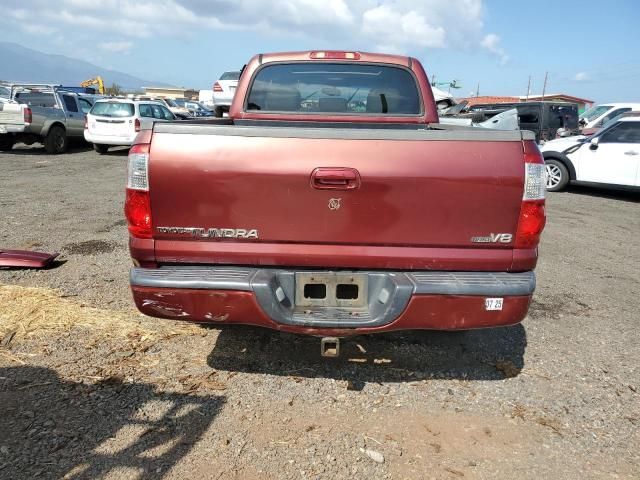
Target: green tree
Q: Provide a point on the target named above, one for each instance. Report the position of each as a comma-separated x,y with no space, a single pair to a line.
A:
114,90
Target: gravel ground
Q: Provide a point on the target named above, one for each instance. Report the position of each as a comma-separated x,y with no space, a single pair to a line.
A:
555,397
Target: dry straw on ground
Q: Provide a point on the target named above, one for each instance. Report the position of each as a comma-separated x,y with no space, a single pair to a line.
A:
28,311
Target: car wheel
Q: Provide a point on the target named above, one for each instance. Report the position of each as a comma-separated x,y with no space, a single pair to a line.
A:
557,175
100,148
6,143
56,140
218,112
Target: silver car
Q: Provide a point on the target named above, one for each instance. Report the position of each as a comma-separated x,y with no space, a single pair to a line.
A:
223,91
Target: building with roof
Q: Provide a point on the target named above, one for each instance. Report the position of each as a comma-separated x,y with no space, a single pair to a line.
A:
489,99
582,103
170,92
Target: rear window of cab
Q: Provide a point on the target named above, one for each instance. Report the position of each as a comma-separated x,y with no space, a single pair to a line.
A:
336,88
113,109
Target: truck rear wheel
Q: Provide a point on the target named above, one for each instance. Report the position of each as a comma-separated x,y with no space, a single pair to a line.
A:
6,143
100,148
218,112
56,140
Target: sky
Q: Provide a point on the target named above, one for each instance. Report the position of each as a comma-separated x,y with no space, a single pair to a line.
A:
589,48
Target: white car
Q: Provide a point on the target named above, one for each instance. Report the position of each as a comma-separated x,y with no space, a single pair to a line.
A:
598,115
206,98
223,91
116,122
609,158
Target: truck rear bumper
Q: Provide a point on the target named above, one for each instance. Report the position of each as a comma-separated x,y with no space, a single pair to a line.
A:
388,300
12,128
115,140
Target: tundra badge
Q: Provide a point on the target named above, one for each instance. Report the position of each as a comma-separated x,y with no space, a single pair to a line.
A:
211,232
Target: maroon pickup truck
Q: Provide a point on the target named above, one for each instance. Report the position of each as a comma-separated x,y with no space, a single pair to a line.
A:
331,202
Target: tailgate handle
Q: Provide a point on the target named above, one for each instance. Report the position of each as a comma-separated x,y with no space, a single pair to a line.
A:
335,178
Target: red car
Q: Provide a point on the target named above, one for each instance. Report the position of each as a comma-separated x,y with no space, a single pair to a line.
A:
332,203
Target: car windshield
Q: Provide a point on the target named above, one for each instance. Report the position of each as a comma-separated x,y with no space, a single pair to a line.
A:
112,109
595,112
334,88
179,101
230,76
202,106
171,103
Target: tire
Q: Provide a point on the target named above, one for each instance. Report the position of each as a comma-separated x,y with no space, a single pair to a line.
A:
56,140
101,149
218,112
557,175
6,143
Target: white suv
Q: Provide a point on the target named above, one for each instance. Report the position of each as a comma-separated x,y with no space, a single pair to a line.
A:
223,91
116,122
598,115
609,158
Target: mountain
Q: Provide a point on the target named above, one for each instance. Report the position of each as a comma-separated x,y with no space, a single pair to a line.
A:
21,64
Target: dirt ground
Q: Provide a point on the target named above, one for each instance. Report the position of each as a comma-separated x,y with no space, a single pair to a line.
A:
89,388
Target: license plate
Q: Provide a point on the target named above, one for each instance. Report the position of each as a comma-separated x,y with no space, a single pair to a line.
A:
493,303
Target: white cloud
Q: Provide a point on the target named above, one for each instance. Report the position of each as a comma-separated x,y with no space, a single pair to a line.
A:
38,29
491,42
116,47
395,25
581,77
390,26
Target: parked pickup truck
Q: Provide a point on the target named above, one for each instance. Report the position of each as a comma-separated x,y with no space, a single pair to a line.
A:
332,203
42,113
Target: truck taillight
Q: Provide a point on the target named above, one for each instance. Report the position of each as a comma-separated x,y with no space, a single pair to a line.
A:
136,124
217,87
86,123
28,115
137,205
532,211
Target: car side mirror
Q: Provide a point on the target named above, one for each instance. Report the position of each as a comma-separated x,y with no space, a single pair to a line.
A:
593,144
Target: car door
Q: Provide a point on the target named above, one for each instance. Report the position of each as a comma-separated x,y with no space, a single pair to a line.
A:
615,158
146,116
75,117
168,116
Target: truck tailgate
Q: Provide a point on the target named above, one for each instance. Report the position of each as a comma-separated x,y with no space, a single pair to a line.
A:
10,114
371,188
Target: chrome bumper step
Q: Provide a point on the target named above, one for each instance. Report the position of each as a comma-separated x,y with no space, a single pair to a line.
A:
388,293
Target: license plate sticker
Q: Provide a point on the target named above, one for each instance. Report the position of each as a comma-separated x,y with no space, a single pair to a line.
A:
493,303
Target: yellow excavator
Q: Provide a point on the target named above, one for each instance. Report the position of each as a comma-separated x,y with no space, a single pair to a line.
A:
94,81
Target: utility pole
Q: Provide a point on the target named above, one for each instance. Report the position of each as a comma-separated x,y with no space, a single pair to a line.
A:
478,90
433,80
528,89
544,87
